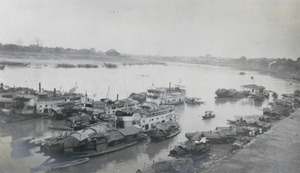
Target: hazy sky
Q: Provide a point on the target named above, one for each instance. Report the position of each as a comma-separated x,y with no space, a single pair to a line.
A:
226,28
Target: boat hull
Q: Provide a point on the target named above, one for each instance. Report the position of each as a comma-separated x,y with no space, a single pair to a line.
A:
160,138
109,150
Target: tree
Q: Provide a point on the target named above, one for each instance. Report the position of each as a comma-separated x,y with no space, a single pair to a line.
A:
112,52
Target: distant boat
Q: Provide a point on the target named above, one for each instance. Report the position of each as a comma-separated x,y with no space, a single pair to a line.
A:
194,100
242,73
2,67
108,65
208,114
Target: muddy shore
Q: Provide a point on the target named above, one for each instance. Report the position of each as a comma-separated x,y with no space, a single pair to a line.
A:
277,150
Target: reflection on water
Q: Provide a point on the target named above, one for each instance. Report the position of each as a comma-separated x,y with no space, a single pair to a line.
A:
153,148
227,100
200,81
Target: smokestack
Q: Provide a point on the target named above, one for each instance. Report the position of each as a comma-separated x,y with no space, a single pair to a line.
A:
1,87
54,92
170,85
117,97
40,87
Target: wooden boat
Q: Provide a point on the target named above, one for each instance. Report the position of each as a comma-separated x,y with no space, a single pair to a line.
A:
164,130
110,150
208,114
46,166
190,149
194,100
95,140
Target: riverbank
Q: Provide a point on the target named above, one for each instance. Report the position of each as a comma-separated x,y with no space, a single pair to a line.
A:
274,151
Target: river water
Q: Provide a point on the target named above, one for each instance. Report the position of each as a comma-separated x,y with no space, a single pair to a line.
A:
199,80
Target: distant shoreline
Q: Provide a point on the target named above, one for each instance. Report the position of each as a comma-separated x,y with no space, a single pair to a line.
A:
58,58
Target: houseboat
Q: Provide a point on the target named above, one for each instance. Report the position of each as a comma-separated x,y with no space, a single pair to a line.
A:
164,130
146,116
190,149
220,136
93,141
255,91
166,96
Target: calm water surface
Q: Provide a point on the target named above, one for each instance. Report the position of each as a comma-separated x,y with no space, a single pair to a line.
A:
199,80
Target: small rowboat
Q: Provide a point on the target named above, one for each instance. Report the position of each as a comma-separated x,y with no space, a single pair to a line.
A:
208,114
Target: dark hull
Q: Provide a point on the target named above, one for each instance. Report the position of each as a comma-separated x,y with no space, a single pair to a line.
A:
173,103
160,138
109,150
205,117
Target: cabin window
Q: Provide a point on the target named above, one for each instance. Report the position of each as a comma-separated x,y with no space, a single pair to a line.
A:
157,118
46,105
143,121
163,121
152,119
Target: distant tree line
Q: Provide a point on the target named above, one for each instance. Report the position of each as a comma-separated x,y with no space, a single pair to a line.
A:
37,48
282,67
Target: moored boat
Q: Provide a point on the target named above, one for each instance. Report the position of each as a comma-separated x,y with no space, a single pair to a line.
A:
164,130
146,116
166,96
93,141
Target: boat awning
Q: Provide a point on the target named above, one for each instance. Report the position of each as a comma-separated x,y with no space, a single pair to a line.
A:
114,136
161,127
129,131
211,135
227,133
74,118
79,136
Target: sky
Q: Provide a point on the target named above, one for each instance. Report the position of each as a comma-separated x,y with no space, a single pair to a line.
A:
222,28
